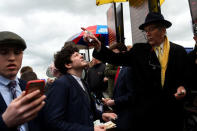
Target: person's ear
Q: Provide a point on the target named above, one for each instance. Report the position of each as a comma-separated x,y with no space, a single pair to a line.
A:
68,66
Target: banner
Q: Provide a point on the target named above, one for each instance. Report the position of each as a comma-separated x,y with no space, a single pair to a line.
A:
138,3
101,2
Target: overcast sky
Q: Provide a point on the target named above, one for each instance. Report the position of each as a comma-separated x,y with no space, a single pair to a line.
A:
47,24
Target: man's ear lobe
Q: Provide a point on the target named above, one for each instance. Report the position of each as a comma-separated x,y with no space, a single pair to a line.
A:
68,66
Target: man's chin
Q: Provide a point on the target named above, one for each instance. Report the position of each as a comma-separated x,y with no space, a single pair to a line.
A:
86,65
152,44
11,75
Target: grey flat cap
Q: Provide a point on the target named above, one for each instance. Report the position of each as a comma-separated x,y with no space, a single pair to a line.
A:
10,38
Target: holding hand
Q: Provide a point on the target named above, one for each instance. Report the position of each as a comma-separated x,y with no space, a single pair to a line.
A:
181,93
91,39
108,101
23,109
109,116
99,128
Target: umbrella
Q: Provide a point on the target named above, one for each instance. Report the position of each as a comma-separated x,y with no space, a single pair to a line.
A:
100,31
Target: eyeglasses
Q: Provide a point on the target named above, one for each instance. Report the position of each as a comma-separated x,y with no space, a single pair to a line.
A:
148,29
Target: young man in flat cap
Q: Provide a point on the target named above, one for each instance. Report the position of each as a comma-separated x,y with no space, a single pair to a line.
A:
159,70
16,108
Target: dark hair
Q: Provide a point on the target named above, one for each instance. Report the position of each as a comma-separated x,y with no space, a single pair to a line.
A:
63,56
120,46
25,69
29,75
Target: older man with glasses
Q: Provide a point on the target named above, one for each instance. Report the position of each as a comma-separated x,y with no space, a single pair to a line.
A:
159,76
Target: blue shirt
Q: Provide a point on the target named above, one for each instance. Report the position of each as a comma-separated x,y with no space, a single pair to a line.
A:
7,95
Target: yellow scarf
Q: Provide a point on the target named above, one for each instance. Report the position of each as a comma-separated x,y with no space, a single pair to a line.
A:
164,59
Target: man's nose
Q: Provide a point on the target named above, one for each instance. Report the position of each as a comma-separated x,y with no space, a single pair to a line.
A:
11,55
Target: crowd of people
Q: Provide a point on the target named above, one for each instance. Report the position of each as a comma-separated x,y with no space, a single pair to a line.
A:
140,88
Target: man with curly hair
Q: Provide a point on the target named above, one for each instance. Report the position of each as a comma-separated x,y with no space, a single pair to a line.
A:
70,106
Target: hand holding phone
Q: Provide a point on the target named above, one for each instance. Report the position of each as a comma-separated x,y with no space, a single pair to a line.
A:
90,40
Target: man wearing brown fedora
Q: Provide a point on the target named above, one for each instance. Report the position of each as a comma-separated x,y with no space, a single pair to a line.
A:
16,107
159,76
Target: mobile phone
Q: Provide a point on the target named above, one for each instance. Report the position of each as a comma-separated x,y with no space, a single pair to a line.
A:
35,85
90,33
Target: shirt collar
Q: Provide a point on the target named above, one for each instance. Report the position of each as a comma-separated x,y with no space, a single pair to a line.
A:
77,78
161,45
5,81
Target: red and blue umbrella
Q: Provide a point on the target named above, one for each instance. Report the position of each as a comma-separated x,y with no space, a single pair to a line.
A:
100,31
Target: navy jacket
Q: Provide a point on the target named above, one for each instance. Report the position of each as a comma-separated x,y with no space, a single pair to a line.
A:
69,107
122,96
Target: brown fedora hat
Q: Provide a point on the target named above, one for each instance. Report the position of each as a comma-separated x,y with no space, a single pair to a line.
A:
155,17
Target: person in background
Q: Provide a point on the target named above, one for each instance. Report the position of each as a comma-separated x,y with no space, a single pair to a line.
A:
52,73
111,69
160,71
16,108
192,101
25,69
122,97
95,78
29,75
97,82
69,105
193,63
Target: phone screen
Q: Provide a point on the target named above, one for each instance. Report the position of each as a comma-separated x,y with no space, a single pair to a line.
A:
35,85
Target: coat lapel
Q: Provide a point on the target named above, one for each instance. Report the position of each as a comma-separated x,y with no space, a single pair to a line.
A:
84,95
3,105
170,61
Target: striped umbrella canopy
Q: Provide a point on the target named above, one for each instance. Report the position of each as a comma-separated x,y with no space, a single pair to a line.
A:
100,31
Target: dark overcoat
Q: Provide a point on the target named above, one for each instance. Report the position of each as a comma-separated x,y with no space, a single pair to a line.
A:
153,105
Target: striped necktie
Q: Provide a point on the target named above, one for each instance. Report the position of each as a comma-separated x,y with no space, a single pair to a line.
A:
12,88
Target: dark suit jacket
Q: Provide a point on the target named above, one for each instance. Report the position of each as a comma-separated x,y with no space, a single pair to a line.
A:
153,105
122,96
32,125
95,80
193,65
68,107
